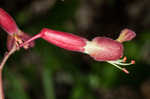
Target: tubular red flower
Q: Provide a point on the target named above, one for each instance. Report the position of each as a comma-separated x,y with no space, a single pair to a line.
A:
16,35
100,48
7,22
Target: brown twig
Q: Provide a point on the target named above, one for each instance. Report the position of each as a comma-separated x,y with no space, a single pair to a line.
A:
6,56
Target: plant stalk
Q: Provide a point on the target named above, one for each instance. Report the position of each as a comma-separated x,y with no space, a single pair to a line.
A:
1,86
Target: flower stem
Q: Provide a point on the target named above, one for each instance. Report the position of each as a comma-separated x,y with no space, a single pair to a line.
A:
1,86
30,40
6,56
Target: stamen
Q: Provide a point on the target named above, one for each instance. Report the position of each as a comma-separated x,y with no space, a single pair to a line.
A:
118,62
132,61
20,41
123,69
124,59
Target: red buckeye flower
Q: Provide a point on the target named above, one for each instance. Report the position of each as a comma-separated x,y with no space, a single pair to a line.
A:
100,48
16,36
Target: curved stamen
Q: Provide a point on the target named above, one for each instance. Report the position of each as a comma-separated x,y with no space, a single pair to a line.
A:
121,62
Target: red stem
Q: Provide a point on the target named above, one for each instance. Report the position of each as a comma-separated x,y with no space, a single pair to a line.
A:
1,86
30,40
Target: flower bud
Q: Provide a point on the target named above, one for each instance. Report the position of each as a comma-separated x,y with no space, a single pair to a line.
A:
7,22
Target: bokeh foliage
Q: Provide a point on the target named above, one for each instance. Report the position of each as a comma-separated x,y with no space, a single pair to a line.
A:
49,72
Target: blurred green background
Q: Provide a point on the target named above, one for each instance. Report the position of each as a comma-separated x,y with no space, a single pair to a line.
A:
49,72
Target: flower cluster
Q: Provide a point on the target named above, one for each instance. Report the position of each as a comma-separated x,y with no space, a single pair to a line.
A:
100,48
